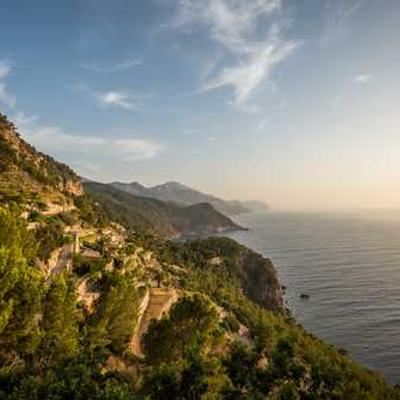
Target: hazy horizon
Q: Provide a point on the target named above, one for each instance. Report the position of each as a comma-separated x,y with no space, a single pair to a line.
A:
292,103
336,209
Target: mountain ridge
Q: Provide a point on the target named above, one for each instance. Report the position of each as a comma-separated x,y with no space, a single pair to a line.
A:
179,193
167,218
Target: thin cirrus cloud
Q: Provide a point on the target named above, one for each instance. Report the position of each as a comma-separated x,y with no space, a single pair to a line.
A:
263,124
234,26
362,78
135,149
113,98
6,98
245,78
338,16
53,140
120,66
118,99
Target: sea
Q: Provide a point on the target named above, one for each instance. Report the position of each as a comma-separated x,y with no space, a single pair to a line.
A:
348,263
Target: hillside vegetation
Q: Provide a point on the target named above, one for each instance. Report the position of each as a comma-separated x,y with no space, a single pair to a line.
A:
159,217
93,309
26,172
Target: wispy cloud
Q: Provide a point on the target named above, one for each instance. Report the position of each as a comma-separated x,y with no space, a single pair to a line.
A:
114,98
263,124
91,156
86,168
6,98
238,28
9,100
229,21
247,76
362,78
118,99
54,140
120,66
136,149
339,14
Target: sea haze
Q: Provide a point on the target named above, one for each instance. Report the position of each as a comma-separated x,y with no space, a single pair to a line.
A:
349,265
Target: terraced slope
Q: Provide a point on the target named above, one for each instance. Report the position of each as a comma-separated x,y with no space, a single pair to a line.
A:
157,303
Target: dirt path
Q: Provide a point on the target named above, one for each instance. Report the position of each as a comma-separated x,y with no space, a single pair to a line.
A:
64,261
159,303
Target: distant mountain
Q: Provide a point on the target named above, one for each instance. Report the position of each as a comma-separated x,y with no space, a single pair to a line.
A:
39,183
178,193
255,205
159,217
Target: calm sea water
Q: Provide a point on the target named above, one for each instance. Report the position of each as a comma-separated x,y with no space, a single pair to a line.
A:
349,265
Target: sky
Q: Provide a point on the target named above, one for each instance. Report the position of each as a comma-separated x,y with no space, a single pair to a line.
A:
294,102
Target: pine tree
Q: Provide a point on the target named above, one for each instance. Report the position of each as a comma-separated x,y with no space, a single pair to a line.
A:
60,319
21,292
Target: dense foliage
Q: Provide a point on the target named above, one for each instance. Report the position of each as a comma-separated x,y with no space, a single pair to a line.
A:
90,212
47,343
192,322
60,351
49,236
254,273
7,156
284,361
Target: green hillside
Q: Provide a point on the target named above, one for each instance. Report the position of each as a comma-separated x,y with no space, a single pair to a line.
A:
156,216
93,306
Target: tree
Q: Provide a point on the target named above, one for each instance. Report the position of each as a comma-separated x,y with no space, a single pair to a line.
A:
197,377
14,233
162,383
191,321
115,317
60,319
21,291
241,364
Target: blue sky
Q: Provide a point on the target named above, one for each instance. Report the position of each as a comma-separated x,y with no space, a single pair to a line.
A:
292,102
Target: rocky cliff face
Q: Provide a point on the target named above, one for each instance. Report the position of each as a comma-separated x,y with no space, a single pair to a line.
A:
73,187
260,280
255,274
28,170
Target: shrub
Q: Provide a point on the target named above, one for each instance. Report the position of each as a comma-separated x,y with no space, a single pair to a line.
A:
190,322
232,323
68,218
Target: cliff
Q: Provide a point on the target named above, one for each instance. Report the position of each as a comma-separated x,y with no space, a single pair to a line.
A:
29,174
256,275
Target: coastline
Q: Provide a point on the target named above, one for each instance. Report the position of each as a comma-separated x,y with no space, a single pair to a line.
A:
333,258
